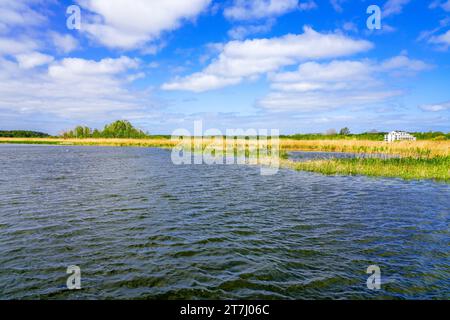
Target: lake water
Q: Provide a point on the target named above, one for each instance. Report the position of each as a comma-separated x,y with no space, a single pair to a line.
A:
140,227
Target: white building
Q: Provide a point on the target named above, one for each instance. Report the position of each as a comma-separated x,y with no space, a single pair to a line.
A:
398,136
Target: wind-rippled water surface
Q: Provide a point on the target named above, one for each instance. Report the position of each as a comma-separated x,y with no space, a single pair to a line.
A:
140,227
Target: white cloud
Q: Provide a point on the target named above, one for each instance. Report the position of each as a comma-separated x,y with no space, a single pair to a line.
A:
19,14
316,102
430,35
307,5
200,82
117,24
442,4
436,107
72,68
245,59
350,26
333,71
402,62
259,9
326,86
33,59
19,45
241,32
393,7
71,88
443,39
64,43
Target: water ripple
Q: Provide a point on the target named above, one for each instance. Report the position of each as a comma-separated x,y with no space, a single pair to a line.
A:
142,228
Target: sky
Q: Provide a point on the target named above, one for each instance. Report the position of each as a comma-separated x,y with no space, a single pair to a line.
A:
300,66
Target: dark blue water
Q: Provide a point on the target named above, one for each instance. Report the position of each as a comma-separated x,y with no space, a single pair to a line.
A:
140,227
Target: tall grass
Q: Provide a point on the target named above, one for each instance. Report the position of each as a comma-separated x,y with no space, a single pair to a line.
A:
437,168
417,149
425,149
418,159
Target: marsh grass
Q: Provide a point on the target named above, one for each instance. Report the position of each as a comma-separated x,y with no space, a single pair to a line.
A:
418,159
437,168
415,149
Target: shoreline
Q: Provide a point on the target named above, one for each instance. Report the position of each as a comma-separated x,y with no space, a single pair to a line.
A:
420,160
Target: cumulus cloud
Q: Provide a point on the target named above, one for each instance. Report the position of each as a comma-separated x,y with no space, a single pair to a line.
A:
436,107
117,24
403,62
241,32
313,102
33,59
259,16
341,83
258,9
72,68
64,43
239,60
71,88
333,71
443,40
393,7
19,14
10,46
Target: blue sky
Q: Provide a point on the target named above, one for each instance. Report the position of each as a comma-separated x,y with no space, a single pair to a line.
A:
297,66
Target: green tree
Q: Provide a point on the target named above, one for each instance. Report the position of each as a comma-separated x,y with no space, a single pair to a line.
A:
344,131
117,129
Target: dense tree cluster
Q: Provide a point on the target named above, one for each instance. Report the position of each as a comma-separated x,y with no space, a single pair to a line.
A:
117,129
22,134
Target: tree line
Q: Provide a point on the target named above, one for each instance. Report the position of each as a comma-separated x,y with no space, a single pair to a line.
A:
118,129
22,134
124,129
374,135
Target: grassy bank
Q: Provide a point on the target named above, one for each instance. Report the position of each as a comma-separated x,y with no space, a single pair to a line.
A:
406,168
417,149
148,142
419,159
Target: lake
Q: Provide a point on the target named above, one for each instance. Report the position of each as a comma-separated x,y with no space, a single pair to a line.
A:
140,227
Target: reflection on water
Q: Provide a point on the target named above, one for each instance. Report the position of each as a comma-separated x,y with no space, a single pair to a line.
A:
140,227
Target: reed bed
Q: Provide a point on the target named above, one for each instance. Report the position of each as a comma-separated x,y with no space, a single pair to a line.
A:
418,159
406,168
157,143
425,149
416,149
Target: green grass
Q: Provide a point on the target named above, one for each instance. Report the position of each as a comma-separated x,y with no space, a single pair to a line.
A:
437,168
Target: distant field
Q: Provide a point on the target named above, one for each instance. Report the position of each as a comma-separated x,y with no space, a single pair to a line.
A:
422,159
